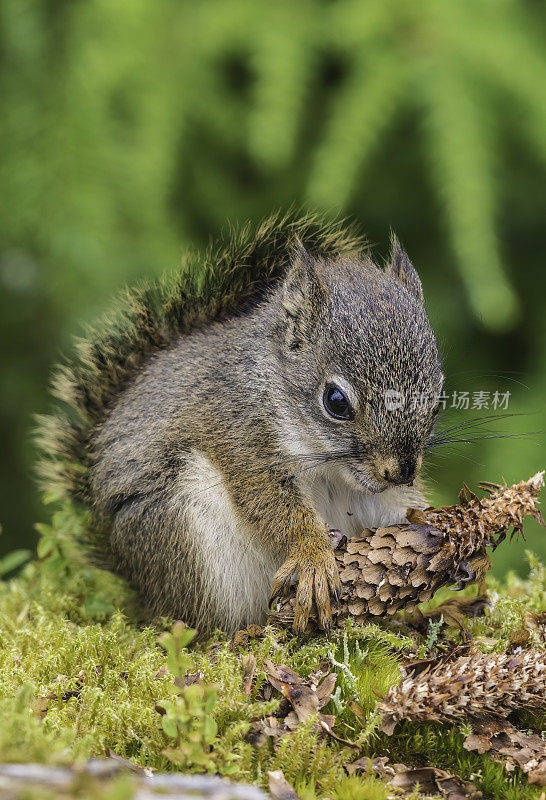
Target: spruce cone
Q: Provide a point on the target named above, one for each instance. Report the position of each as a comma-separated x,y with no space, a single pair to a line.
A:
388,569
468,686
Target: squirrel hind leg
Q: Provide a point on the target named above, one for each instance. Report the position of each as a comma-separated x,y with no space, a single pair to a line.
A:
150,550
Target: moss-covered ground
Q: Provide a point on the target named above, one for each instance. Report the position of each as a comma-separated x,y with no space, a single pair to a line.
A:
79,676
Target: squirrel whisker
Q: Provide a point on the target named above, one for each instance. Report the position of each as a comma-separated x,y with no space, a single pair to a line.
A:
439,442
476,421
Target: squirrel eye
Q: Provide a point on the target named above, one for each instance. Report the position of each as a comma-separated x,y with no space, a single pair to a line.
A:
337,403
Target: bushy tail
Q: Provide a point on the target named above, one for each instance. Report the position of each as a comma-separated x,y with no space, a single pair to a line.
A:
229,276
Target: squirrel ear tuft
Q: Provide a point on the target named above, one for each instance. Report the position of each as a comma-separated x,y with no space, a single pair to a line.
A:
303,295
401,268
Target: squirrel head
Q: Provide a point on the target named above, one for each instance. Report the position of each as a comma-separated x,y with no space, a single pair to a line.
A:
359,365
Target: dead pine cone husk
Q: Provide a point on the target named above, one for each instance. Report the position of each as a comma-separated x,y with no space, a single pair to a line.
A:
389,569
453,688
480,690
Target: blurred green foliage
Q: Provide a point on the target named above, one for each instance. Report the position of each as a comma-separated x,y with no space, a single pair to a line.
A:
132,129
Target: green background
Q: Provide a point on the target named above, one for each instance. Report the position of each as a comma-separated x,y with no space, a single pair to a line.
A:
130,130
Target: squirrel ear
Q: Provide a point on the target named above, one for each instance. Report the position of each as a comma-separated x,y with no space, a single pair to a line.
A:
401,268
303,296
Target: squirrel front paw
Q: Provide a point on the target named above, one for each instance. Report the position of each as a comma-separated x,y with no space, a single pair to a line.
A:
318,578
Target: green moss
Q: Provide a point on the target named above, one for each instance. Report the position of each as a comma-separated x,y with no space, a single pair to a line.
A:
78,676
356,788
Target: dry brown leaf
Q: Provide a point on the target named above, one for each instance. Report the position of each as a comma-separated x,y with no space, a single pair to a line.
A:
242,637
326,722
537,775
269,727
453,612
324,690
435,781
454,788
279,787
535,623
357,709
189,679
324,668
162,672
305,699
249,666
277,675
378,766
430,779
493,734
305,696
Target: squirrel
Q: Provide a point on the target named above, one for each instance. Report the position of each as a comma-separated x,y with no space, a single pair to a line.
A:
224,420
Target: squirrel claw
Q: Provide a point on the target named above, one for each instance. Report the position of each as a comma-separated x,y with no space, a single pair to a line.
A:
300,623
317,582
281,581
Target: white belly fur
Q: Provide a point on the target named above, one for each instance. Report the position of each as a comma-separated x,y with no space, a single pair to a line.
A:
350,511
237,566
230,554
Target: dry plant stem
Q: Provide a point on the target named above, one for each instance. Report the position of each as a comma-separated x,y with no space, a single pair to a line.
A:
394,568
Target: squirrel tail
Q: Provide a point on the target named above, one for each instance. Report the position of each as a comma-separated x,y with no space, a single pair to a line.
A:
227,277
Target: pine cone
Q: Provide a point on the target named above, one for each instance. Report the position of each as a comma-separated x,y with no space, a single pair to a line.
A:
388,569
468,686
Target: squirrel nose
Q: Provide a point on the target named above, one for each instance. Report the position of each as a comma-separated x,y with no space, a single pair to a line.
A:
405,473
